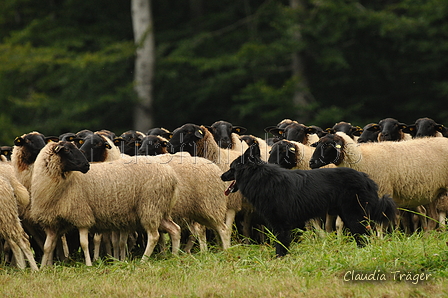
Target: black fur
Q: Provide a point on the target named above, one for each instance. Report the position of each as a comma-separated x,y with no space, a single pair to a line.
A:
288,198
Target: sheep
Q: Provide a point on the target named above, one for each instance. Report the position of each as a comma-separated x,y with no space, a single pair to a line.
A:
226,135
153,145
67,191
129,141
163,132
264,147
282,124
198,141
347,128
5,152
390,130
98,148
297,132
368,135
202,202
202,195
427,127
414,172
10,227
424,127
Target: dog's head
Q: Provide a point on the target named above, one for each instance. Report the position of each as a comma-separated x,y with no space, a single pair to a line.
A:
250,158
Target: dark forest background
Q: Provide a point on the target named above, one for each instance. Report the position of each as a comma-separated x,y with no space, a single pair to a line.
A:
68,65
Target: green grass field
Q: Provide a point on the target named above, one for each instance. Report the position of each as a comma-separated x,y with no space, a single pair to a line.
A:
400,266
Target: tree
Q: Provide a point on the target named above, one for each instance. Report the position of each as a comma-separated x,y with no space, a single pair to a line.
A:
144,63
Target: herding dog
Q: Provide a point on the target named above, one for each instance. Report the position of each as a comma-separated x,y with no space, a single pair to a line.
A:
288,198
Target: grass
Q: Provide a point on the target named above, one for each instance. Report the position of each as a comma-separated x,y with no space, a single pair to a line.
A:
316,267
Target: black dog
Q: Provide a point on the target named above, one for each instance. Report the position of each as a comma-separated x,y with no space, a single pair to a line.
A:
288,198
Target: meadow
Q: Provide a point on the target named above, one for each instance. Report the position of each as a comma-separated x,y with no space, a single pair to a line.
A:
397,265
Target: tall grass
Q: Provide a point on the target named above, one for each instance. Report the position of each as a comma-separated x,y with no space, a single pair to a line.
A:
316,267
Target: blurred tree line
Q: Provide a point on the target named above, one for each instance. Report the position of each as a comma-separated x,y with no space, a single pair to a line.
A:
68,65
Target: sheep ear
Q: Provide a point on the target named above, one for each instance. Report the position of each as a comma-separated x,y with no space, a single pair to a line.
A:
311,130
314,144
402,125
164,144
439,127
374,127
292,149
19,141
357,131
409,129
199,133
51,139
117,141
238,129
108,146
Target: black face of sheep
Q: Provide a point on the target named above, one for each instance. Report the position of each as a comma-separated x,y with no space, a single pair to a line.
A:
222,133
163,132
328,150
184,139
283,153
369,135
32,144
6,151
72,159
390,129
93,147
425,127
153,145
294,132
82,134
129,142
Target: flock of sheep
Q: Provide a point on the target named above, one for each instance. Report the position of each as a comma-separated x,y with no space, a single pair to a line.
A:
113,188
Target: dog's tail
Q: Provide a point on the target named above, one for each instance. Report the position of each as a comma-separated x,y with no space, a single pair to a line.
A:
384,211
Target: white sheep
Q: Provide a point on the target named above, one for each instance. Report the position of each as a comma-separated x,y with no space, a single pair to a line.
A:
414,172
198,141
10,227
201,199
67,191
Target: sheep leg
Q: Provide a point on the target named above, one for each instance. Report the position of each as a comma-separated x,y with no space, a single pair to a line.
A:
224,233
432,214
96,245
230,217
153,238
115,244
198,232
442,219
25,246
122,244
84,242
18,254
329,223
106,240
174,230
339,226
49,246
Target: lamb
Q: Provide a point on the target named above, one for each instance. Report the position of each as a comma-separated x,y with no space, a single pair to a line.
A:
414,172
67,191
10,227
425,127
